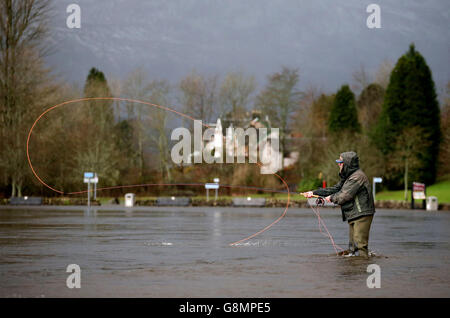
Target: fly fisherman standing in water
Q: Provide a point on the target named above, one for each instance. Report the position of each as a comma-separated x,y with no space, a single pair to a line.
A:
353,194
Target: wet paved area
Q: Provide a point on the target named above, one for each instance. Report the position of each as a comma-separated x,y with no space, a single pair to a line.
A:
185,252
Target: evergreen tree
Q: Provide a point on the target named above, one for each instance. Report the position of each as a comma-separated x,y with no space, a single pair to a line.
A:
98,149
343,116
101,111
410,101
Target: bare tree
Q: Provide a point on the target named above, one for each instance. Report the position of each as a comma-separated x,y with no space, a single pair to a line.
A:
304,110
384,73
444,152
137,86
53,144
279,100
23,26
235,94
369,105
23,81
409,145
318,116
158,121
199,96
360,79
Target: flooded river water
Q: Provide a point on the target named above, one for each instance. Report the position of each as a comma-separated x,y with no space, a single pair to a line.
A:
185,252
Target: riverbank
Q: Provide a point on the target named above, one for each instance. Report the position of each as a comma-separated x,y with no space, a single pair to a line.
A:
441,190
268,202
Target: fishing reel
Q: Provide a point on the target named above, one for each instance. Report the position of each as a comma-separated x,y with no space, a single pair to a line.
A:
320,201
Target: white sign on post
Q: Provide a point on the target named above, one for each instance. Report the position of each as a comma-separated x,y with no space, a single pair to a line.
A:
91,177
88,175
375,181
208,186
211,186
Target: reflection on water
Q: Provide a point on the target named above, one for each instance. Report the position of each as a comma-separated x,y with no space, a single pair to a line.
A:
185,252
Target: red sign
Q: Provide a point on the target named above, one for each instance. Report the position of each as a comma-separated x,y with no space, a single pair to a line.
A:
418,190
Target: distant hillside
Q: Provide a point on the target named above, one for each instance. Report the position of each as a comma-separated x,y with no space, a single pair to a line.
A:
327,40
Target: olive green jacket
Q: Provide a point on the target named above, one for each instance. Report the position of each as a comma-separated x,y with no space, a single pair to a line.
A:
353,192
